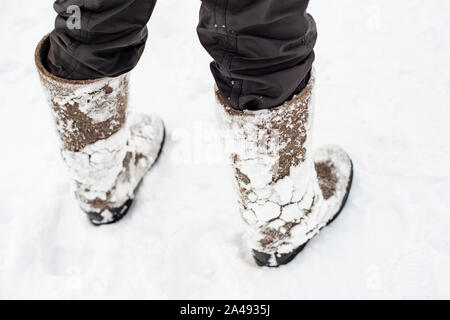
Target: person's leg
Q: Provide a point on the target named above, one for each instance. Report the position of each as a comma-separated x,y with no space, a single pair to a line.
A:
108,41
262,49
263,55
85,73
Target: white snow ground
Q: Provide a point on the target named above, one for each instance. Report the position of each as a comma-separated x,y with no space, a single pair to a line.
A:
383,94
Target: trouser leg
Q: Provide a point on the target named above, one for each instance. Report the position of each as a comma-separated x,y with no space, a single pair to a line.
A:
108,41
262,49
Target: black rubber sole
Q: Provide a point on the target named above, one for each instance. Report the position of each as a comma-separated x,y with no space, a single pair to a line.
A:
163,142
262,259
119,213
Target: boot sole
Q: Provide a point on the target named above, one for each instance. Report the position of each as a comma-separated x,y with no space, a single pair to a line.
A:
262,259
119,213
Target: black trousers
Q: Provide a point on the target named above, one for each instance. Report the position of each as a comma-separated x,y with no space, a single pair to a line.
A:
262,49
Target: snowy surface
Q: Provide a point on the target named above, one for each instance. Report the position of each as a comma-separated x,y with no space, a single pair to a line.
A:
383,94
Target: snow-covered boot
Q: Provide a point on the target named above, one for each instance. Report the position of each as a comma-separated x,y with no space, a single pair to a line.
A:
106,151
286,193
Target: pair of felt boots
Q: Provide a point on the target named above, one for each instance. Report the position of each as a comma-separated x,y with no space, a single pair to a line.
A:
286,193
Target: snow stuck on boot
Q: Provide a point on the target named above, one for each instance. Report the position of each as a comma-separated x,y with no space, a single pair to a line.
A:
284,200
107,172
